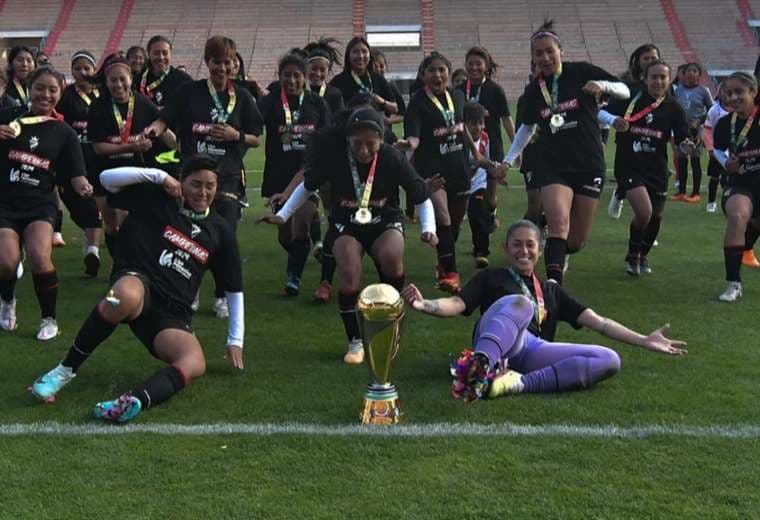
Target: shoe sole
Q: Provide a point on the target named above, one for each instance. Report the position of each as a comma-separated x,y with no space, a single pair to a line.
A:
46,400
50,338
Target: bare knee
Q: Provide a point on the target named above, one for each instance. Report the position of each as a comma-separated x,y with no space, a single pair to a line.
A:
39,259
192,365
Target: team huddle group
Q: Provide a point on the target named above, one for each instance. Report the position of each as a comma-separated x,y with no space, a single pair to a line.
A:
139,151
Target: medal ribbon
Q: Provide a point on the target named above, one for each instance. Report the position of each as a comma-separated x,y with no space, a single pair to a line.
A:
736,143
85,97
322,89
125,127
21,91
218,104
286,107
146,90
448,114
553,100
362,87
362,195
468,89
638,115
539,309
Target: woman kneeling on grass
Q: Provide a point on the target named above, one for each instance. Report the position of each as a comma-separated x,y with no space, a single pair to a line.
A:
517,326
174,237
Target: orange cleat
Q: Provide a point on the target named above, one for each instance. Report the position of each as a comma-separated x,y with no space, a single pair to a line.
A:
678,197
449,282
693,199
323,292
749,259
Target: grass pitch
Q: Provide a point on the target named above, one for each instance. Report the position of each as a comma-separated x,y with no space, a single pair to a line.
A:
295,374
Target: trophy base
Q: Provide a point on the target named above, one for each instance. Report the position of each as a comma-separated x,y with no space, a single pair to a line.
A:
381,406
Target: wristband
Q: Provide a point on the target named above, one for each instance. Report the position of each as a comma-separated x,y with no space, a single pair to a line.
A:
241,138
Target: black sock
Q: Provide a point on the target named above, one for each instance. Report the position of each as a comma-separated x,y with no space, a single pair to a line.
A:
650,235
396,282
46,288
712,189
635,239
683,174
159,387
347,305
299,252
111,243
554,257
315,230
8,289
328,268
480,220
750,237
542,221
619,193
446,254
696,170
732,256
58,222
94,331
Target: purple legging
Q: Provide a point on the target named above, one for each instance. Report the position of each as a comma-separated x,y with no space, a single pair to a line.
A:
502,335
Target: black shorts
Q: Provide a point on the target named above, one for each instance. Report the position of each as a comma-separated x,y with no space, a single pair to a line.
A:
367,234
657,186
456,185
752,192
84,211
18,222
158,314
587,184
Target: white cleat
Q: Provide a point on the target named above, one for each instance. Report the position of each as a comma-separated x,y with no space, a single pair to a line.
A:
48,329
733,292
221,310
8,315
615,207
58,240
510,382
355,354
712,207
196,302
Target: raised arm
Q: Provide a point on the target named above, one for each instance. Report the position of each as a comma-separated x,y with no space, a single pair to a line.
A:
441,307
655,341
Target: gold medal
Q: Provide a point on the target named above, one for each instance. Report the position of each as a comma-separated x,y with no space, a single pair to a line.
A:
556,122
286,138
15,127
363,216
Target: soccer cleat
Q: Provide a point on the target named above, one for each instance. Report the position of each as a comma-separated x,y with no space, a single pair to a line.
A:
481,262
120,410
712,207
20,270
317,251
448,282
48,385
644,266
355,354
196,302
8,315
91,265
507,383
615,207
749,259
58,240
221,310
48,329
472,376
566,264
632,266
292,285
694,198
655,243
323,292
678,197
732,293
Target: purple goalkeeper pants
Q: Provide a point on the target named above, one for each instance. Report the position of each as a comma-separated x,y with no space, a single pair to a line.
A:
502,334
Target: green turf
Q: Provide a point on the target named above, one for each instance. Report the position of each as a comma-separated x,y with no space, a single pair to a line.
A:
295,373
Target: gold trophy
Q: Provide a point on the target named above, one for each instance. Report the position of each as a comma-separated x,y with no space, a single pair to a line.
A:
381,311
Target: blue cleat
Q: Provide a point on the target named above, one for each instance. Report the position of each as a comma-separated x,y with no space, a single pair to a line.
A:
48,385
120,410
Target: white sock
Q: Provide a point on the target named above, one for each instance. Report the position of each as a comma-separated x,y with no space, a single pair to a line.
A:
95,250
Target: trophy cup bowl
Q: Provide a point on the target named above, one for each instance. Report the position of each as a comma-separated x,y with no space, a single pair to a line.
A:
381,312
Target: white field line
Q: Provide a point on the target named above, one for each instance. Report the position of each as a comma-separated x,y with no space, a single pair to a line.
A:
55,429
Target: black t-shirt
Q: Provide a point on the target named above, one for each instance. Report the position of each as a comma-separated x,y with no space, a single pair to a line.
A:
74,109
577,146
333,97
376,83
45,154
103,128
643,150
494,100
327,161
173,250
7,101
491,284
442,148
748,152
164,91
12,90
191,111
286,147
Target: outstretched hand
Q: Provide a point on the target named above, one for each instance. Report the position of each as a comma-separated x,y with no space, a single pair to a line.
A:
430,239
234,355
270,218
413,296
658,342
